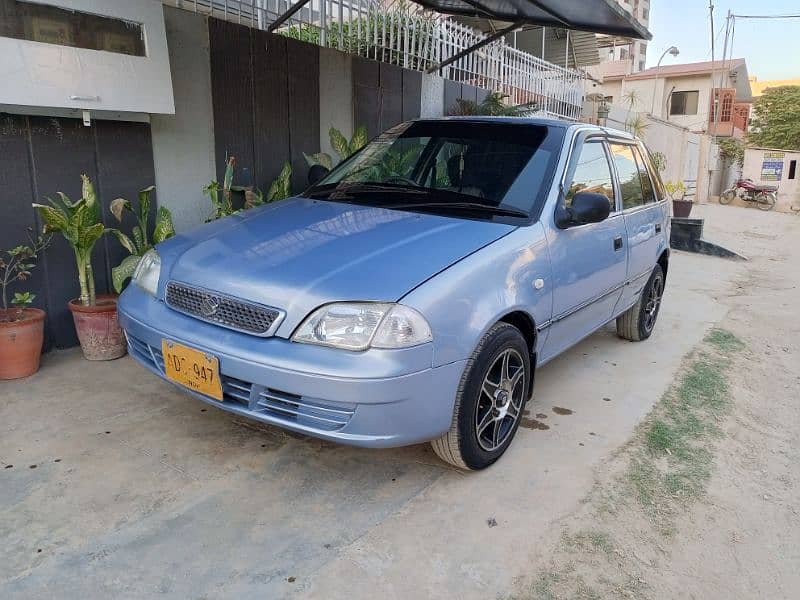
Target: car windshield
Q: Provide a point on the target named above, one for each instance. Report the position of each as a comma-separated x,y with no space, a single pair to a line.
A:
485,169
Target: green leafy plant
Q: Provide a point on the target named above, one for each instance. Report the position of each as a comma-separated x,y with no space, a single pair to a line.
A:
16,265
631,98
659,161
222,199
79,222
776,119
281,187
141,240
675,188
731,150
222,206
378,35
494,105
637,125
343,147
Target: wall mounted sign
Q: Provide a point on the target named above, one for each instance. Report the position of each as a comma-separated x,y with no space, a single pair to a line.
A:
772,166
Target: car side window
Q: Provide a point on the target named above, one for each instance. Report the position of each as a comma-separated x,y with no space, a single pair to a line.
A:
644,176
658,186
592,174
630,184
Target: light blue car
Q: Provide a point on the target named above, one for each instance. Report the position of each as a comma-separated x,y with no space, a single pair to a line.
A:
409,294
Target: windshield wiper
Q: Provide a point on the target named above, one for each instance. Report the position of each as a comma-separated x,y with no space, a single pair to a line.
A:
476,206
348,189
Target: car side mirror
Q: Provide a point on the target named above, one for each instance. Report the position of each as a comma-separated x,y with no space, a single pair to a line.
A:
316,174
586,207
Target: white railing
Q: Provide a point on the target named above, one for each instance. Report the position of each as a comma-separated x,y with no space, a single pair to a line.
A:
405,35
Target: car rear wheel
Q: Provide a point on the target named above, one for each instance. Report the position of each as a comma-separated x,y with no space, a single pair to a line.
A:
489,401
637,323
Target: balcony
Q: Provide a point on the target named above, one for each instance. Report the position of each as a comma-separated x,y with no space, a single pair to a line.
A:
733,117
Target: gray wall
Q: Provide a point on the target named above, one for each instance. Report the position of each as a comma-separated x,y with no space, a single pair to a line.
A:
183,144
335,96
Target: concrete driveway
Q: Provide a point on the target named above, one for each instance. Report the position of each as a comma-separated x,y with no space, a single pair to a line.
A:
117,485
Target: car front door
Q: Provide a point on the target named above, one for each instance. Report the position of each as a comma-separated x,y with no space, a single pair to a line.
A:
644,216
589,261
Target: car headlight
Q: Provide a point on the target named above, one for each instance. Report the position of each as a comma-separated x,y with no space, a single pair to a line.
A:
362,325
147,272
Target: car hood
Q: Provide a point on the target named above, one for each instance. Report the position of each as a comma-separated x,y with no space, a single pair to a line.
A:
300,253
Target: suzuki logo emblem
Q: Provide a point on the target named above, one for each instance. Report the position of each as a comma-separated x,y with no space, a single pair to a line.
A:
209,306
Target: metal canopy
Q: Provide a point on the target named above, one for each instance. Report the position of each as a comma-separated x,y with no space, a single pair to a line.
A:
598,16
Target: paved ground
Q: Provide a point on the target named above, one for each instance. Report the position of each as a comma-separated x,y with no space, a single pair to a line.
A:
123,487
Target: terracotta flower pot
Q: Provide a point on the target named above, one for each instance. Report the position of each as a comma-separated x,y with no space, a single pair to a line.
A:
98,328
21,343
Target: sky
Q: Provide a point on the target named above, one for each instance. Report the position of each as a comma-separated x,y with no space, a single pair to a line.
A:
771,47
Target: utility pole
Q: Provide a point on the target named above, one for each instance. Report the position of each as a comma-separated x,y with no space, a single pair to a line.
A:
714,102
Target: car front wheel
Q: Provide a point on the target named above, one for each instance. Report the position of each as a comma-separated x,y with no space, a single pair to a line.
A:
489,401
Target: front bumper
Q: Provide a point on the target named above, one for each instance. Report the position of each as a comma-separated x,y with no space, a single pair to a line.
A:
377,398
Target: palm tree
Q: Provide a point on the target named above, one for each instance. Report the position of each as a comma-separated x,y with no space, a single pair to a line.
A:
637,125
631,98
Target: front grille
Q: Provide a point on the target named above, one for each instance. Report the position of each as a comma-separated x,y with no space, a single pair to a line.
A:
220,309
304,411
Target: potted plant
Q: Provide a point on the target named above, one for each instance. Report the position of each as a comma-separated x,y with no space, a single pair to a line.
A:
95,316
677,190
141,236
21,326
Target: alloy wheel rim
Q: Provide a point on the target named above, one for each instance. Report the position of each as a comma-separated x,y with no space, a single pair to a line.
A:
653,302
500,402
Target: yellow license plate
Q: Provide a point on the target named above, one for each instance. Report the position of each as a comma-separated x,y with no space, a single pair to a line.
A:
192,368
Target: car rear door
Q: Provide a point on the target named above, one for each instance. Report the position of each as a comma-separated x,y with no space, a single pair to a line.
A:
644,215
588,261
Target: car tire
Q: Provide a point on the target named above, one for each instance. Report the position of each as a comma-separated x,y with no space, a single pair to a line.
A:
766,201
489,402
637,323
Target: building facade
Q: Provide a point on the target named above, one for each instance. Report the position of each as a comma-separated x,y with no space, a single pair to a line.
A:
688,95
625,55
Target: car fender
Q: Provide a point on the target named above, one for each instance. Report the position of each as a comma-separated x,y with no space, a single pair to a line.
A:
463,301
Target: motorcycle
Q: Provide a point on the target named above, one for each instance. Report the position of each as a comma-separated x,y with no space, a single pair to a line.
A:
764,196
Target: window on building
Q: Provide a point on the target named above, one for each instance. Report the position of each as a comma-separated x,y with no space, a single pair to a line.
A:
608,99
54,25
630,183
641,65
683,103
792,169
592,174
643,49
645,13
623,53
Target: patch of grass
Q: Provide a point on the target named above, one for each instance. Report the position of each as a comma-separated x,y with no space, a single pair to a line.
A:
673,464
644,476
705,386
590,540
543,586
724,340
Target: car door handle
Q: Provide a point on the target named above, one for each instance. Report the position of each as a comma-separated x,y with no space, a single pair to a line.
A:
618,243
658,227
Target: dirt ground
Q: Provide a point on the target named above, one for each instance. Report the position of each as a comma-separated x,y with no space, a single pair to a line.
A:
667,469
724,520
